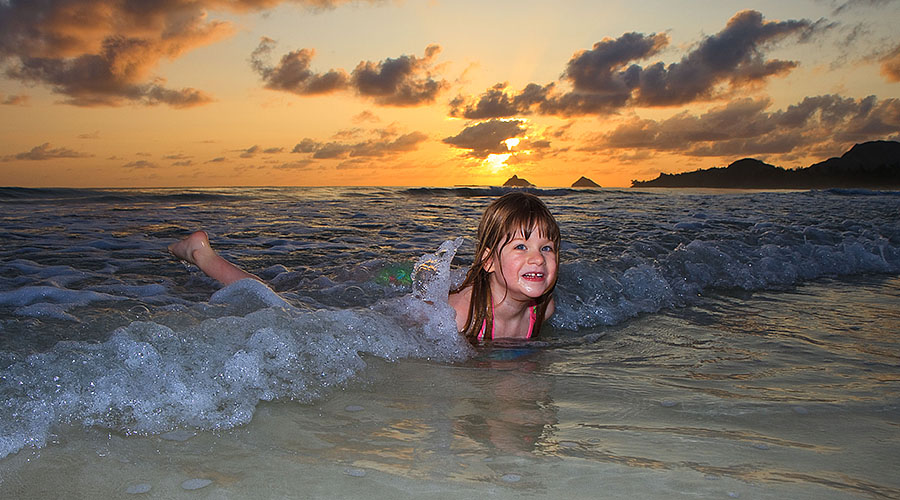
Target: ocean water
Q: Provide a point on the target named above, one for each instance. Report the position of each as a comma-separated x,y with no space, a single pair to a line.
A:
711,344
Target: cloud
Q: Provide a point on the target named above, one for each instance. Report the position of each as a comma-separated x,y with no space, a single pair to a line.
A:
104,52
747,128
140,164
403,81
890,65
386,143
606,78
45,152
841,7
366,116
14,100
99,52
292,73
296,165
486,138
255,149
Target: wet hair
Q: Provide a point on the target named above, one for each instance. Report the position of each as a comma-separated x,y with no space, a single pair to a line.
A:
511,214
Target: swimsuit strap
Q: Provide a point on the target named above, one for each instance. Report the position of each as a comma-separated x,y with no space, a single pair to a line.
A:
484,324
532,319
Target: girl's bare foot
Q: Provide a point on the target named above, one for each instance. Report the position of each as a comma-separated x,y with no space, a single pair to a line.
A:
186,248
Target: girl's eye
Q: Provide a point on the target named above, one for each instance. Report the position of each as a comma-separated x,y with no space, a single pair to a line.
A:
547,248
520,246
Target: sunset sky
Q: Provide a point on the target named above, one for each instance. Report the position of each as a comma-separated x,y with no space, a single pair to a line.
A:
146,93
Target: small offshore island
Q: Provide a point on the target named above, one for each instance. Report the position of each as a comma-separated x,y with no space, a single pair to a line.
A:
870,165
516,181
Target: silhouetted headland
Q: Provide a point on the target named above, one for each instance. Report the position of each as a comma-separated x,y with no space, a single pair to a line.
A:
584,182
515,181
870,165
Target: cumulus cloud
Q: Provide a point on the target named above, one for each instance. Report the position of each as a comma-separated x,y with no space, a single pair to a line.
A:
386,143
46,152
606,78
104,52
747,127
292,73
403,81
486,138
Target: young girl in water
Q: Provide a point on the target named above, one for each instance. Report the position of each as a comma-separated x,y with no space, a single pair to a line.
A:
508,291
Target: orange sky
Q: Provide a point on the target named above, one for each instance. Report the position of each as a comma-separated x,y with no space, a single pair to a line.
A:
104,93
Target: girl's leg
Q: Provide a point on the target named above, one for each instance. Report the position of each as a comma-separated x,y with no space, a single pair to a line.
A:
196,250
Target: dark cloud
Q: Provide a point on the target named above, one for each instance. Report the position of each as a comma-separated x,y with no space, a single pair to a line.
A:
486,138
498,103
747,128
890,65
103,52
292,73
606,78
404,81
98,52
45,152
603,69
385,144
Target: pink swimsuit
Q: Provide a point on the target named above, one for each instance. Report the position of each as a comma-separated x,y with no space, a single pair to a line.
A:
531,321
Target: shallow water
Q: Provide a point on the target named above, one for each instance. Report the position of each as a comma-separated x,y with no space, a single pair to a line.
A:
707,345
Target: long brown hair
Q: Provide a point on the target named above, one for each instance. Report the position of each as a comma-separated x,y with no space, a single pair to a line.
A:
505,217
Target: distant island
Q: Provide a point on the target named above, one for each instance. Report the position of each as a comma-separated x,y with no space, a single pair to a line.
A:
515,181
584,182
871,165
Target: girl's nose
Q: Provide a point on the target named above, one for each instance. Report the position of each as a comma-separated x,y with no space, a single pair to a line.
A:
535,256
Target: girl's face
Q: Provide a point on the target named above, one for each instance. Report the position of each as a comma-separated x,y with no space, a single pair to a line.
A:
527,266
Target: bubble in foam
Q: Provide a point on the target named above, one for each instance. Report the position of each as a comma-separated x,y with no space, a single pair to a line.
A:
137,489
196,484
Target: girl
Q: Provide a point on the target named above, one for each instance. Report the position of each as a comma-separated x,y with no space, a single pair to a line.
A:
508,291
